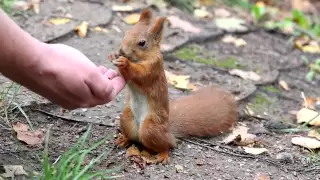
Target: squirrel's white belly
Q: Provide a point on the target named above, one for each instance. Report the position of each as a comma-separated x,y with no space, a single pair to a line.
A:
139,104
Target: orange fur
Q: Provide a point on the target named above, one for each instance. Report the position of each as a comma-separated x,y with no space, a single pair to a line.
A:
148,117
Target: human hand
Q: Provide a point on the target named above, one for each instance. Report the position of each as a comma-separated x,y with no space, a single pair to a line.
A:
68,78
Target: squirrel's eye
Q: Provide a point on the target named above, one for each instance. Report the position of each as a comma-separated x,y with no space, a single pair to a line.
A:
142,43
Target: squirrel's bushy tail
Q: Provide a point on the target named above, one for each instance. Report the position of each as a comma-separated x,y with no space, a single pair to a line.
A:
207,112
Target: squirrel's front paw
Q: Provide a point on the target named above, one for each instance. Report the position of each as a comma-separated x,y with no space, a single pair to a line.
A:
113,56
121,62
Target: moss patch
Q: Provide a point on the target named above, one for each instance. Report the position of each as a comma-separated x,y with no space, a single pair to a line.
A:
271,89
197,54
259,103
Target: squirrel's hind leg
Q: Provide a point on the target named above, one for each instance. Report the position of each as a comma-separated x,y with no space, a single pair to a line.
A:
128,129
157,137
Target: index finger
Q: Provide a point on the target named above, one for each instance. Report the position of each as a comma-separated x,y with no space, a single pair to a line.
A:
118,84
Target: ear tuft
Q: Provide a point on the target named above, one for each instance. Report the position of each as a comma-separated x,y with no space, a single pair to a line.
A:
157,30
145,15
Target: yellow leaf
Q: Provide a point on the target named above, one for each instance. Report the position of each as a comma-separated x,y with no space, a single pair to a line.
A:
179,81
206,2
201,13
314,133
132,18
59,21
307,45
284,85
305,115
100,29
82,29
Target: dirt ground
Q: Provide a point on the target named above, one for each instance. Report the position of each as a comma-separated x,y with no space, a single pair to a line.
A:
267,53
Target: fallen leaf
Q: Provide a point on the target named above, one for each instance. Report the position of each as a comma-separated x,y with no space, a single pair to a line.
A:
20,127
306,142
206,2
179,168
221,13
301,5
159,3
240,136
59,21
201,13
236,41
305,115
247,75
35,4
307,45
176,22
311,102
261,176
132,18
122,8
179,81
284,85
82,29
28,136
314,133
255,151
132,151
231,24
20,5
13,170
100,29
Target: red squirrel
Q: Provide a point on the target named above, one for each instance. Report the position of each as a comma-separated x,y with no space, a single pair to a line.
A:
148,117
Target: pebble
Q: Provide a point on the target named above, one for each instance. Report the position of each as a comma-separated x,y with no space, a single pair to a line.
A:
179,168
285,157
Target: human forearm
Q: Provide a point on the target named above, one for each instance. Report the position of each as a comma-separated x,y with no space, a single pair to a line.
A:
18,50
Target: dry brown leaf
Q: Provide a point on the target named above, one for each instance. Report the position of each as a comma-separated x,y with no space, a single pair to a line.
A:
28,136
240,136
238,42
314,133
82,29
59,21
311,102
12,171
305,115
35,4
284,85
132,18
247,75
255,151
176,22
132,151
306,142
301,5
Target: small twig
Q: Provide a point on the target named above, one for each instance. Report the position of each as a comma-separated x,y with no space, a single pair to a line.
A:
68,119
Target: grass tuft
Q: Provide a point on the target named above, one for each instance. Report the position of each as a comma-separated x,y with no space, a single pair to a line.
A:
71,165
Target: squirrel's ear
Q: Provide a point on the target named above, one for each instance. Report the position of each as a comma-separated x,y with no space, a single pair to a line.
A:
157,30
145,15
